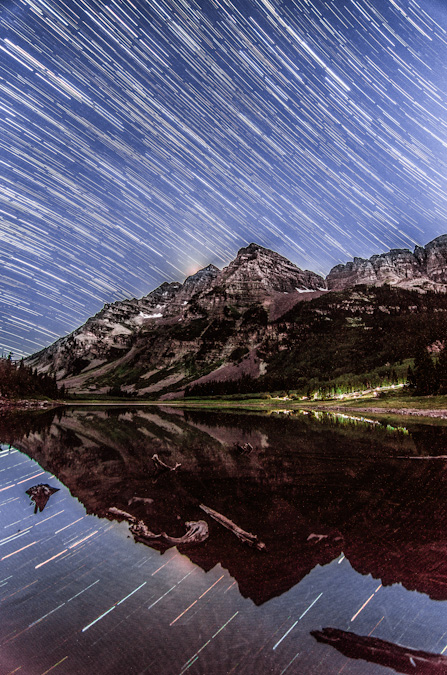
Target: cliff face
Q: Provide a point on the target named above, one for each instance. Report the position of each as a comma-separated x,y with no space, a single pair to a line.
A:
106,335
435,255
257,272
125,329
256,276
424,269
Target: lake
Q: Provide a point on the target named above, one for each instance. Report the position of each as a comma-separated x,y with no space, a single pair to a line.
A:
323,546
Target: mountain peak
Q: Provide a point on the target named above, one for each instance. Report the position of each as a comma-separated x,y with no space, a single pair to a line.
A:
257,272
209,270
199,282
254,248
438,241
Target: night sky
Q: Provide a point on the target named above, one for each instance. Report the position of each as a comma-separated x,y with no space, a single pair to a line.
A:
142,140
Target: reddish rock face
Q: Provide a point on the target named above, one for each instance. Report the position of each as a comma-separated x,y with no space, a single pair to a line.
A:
424,269
256,276
436,259
257,272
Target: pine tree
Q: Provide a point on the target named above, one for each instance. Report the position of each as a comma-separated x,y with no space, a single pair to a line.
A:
411,380
424,373
441,369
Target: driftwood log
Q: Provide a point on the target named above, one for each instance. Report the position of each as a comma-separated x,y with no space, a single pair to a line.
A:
374,650
244,448
246,537
162,465
142,500
197,531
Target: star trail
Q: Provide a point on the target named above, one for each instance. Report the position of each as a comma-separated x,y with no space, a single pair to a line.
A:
339,587
67,606
143,140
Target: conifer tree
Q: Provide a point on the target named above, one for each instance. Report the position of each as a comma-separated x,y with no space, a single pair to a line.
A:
441,368
424,373
411,380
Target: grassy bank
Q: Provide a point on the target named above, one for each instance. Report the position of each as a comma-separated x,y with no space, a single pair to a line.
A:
396,411
394,405
390,403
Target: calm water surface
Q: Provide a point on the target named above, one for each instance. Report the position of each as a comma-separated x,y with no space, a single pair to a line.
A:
353,577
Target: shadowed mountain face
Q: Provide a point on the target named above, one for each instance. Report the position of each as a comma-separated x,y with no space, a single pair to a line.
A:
309,489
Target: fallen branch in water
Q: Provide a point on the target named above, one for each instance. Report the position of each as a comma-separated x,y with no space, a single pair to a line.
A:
123,514
142,500
162,465
241,534
196,533
375,650
244,448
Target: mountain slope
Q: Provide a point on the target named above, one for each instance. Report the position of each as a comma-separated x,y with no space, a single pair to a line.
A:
246,327
343,335
178,330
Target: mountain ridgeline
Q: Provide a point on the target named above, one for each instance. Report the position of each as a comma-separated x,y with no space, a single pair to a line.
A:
261,324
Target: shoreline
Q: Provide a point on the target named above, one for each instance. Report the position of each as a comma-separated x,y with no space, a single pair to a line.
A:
328,406
27,404
438,413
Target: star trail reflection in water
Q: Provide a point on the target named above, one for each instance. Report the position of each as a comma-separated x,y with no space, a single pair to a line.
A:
355,562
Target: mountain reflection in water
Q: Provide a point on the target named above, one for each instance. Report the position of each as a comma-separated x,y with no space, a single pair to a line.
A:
313,490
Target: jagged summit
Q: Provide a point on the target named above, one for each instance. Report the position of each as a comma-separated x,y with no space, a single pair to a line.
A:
438,241
262,271
253,248
164,292
208,272
196,284
424,269
257,276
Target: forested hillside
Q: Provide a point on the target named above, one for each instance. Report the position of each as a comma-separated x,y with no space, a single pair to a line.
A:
20,381
347,340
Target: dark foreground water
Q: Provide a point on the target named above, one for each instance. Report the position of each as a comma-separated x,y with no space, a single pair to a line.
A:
352,579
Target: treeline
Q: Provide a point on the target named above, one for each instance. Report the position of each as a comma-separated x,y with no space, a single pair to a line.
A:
299,387
243,385
429,375
341,333
20,381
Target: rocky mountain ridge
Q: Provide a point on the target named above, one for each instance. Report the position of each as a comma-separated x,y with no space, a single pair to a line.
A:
257,275
218,324
424,269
